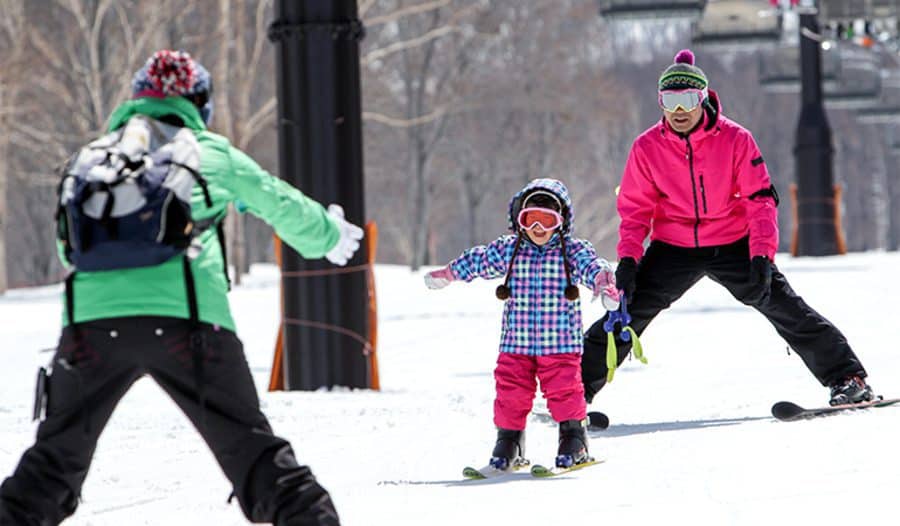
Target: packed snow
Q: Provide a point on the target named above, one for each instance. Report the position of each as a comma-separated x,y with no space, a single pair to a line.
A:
691,440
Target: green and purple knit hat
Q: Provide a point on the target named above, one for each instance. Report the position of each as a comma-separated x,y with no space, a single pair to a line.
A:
683,74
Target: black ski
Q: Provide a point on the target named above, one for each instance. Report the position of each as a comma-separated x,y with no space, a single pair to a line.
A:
789,411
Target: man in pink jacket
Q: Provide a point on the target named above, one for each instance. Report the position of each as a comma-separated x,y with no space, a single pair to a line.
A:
697,184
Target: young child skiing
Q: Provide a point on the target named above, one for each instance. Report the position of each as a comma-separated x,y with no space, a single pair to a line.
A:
541,334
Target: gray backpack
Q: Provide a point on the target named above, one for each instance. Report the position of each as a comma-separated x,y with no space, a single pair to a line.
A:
125,200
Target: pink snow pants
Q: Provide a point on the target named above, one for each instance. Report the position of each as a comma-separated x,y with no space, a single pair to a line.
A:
517,375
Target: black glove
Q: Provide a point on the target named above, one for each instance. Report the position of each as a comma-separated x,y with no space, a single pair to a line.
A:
760,280
626,274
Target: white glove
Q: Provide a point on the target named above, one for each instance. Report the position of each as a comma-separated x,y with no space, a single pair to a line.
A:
438,279
348,243
610,298
605,289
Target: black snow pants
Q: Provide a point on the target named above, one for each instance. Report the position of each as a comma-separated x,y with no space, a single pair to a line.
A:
666,272
203,369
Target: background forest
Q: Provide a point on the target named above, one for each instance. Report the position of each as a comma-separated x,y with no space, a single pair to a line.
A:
464,101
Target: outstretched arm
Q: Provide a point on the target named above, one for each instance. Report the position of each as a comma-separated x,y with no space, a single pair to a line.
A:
484,261
593,272
300,221
490,261
587,267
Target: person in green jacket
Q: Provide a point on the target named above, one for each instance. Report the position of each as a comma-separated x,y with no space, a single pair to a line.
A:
120,325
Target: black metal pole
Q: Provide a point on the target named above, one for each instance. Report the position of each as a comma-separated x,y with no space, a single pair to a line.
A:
320,152
813,153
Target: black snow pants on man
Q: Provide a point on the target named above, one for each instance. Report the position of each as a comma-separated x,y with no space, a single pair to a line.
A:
666,272
205,372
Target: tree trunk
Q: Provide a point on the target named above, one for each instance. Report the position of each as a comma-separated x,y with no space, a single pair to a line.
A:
224,121
470,204
893,233
4,165
419,228
893,205
234,224
238,251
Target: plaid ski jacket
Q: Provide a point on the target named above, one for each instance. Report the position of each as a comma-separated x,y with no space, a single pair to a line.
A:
537,319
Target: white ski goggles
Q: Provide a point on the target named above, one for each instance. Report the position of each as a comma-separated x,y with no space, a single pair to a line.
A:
686,100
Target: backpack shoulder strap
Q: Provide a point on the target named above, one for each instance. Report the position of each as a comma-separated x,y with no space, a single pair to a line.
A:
158,126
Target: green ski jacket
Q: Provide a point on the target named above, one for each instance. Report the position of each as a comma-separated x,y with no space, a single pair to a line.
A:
231,175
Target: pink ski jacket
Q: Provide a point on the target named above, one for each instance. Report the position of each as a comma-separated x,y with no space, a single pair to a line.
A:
705,189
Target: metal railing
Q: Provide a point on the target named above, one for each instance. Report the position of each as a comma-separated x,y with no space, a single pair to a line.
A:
738,24
848,10
651,9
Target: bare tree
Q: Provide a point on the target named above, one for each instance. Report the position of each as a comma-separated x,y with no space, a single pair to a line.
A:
430,53
87,57
246,105
12,28
245,95
479,167
464,101
79,56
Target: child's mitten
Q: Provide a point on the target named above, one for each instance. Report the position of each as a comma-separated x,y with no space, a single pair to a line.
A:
605,289
438,279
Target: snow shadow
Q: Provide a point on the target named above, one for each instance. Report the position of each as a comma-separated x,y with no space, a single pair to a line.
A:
474,375
624,430
713,309
462,482
796,269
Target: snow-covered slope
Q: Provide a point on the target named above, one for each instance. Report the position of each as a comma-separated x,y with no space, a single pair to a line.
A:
691,440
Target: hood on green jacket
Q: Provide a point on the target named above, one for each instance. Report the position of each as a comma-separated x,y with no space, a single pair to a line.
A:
157,108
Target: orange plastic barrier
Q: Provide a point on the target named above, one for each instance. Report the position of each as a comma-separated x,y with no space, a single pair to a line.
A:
276,378
838,228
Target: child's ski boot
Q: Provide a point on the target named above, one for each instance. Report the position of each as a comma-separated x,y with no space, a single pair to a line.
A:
573,448
509,450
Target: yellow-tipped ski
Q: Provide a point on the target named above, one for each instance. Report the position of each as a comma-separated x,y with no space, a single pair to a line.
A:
543,472
489,472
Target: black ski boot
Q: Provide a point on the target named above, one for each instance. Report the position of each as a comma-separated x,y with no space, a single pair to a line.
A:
851,390
572,444
509,450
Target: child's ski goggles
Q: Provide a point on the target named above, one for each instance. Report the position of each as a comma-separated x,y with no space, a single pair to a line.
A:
548,219
687,99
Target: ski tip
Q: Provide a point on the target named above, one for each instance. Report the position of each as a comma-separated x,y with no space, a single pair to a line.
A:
473,474
882,402
597,420
540,471
786,410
